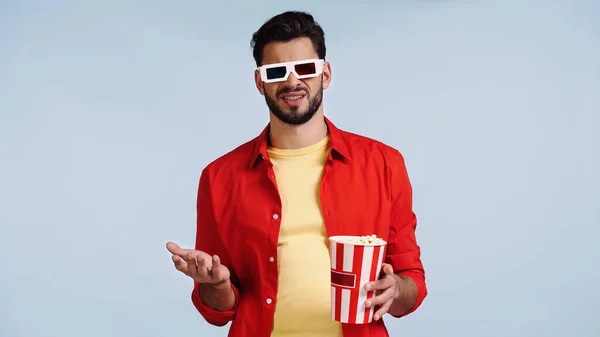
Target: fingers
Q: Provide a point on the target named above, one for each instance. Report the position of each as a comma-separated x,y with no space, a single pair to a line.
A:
192,266
385,288
219,272
380,284
180,264
198,265
216,262
383,300
176,250
380,299
382,310
173,248
204,269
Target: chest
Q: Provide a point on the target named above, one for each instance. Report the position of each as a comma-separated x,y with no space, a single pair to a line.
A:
351,201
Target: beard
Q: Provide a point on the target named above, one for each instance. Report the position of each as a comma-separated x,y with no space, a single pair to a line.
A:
295,115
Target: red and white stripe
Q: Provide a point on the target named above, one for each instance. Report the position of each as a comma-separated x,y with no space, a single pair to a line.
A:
353,266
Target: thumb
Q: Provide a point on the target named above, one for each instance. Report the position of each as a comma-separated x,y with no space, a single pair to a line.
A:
387,269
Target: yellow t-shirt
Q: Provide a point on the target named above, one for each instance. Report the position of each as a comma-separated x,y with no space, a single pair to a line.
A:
304,291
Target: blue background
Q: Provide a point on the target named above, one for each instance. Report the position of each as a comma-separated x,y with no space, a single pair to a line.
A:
109,110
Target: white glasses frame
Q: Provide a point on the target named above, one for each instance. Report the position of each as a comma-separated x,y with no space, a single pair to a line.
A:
290,68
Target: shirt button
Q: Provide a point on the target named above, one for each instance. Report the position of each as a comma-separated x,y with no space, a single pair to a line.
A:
271,259
275,216
269,301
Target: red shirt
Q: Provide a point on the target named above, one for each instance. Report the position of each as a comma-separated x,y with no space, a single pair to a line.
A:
365,190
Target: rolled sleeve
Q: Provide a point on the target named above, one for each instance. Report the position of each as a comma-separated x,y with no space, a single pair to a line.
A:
210,241
403,252
212,316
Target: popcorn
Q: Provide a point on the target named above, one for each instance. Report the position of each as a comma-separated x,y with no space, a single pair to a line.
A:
364,240
355,261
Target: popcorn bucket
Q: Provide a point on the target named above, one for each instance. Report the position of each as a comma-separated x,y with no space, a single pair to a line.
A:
355,261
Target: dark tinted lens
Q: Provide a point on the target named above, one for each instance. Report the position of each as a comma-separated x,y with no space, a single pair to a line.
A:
306,68
276,72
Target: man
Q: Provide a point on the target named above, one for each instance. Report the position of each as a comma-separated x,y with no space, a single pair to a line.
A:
267,208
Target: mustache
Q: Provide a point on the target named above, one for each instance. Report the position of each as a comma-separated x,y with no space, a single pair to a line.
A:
285,90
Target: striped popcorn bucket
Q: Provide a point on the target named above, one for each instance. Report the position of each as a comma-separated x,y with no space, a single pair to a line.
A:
352,266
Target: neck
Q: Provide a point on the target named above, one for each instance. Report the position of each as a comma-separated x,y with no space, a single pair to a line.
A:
285,136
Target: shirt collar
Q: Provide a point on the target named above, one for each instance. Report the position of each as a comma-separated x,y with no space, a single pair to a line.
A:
337,142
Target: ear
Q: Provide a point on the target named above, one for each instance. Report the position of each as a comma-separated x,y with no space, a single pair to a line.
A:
326,75
259,83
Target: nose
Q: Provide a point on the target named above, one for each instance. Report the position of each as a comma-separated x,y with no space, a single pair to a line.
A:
292,81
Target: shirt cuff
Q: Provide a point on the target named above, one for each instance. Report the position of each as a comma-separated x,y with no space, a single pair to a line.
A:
212,316
419,280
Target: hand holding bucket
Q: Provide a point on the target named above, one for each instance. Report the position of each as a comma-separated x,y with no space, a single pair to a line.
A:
355,261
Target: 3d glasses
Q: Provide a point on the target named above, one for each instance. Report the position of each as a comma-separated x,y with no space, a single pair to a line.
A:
278,72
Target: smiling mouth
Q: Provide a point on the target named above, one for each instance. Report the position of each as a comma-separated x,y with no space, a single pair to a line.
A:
293,98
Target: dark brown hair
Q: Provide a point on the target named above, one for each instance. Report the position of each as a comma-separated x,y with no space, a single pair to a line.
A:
286,27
